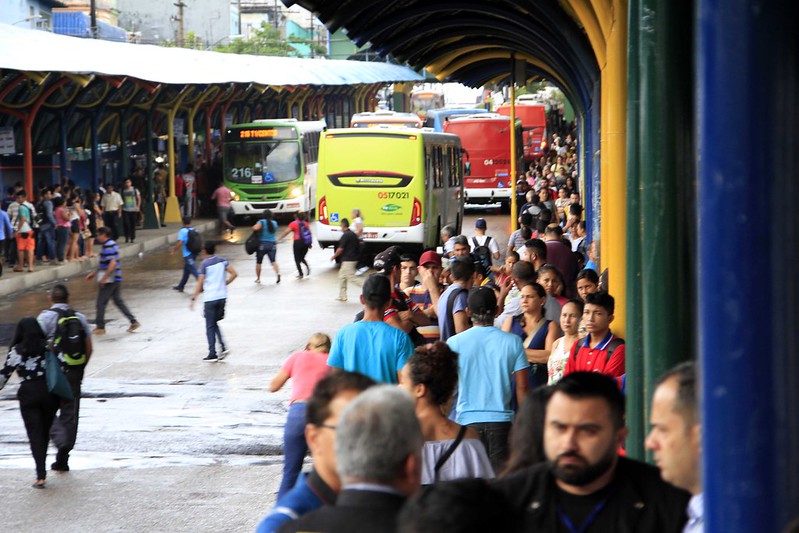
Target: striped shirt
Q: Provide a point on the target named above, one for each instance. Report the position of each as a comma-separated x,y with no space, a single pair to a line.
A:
110,251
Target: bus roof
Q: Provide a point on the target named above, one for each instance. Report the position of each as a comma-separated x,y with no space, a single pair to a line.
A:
480,117
398,132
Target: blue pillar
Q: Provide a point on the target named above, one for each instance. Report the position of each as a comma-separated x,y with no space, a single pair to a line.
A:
748,293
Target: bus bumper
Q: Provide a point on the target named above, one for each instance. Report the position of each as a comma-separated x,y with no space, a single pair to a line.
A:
486,196
289,206
373,237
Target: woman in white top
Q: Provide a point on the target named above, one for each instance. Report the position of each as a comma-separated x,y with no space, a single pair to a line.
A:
451,451
570,315
356,226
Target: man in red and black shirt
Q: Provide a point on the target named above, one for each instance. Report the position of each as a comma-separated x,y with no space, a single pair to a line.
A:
599,351
401,311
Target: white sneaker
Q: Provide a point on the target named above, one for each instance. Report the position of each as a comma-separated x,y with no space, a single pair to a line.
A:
361,271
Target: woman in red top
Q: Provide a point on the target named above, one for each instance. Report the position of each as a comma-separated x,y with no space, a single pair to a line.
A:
298,226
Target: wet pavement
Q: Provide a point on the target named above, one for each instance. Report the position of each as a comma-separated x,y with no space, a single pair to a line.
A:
168,442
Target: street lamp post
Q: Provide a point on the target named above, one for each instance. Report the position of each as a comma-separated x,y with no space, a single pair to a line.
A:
28,19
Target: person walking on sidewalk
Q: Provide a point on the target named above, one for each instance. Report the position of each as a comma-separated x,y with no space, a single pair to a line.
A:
131,207
37,405
109,282
70,337
348,250
213,285
189,257
222,196
299,226
267,244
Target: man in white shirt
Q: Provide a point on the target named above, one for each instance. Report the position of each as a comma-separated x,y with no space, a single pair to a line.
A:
213,283
676,437
112,210
481,239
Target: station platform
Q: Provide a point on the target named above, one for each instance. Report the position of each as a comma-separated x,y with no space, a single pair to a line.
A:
147,240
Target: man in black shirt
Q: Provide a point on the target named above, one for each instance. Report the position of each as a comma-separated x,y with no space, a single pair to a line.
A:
585,486
347,250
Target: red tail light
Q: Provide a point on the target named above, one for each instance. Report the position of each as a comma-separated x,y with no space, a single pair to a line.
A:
321,211
416,215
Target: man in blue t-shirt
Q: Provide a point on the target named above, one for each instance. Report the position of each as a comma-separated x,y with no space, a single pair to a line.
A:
489,362
370,346
212,283
189,258
109,282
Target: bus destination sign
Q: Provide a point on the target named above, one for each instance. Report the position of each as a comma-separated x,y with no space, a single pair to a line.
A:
245,134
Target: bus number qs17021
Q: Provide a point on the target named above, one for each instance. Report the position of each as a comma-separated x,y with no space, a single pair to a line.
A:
392,195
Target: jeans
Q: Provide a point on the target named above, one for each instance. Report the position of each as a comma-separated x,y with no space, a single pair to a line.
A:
65,428
47,242
214,312
294,447
129,220
494,436
111,221
37,407
188,270
107,292
61,240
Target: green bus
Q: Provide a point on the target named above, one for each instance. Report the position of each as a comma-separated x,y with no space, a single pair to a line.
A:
271,164
407,184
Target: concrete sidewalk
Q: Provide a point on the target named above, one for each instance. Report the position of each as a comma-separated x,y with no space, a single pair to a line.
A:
217,498
147,240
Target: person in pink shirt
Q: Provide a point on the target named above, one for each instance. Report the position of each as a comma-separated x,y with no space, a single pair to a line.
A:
305,368
222,196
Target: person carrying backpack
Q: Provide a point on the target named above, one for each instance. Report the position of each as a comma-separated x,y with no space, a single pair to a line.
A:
191,243
69,336
484,247
303,240
267,244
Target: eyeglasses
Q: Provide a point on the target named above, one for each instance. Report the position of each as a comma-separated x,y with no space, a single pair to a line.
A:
328,426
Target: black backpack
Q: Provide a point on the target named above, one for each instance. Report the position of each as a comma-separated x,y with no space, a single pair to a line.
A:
70,337
194,241
483,253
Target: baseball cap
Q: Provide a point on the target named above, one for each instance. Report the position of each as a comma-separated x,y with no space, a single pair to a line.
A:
480,223
482,300
428,257
387,259
376,289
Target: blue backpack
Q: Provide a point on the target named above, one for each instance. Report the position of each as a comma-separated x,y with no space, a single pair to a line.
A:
305,233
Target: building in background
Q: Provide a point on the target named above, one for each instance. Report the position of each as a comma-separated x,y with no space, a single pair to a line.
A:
33,14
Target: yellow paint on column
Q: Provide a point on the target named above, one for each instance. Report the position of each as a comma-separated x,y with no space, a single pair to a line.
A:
614,166
172,208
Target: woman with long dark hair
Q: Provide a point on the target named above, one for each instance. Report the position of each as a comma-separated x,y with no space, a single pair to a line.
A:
267,244
451,451
36,404
298,226
537,333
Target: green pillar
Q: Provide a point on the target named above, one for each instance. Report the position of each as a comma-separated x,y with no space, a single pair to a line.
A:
149,207
634,363
664,154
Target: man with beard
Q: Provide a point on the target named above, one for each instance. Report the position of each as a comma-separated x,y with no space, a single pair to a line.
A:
585,485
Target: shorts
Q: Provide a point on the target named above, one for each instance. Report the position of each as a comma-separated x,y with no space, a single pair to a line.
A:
265,248
74,226
25,241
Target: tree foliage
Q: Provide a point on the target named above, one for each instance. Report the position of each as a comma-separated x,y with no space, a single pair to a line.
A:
267,41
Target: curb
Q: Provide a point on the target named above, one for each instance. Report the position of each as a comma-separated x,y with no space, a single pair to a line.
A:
14,282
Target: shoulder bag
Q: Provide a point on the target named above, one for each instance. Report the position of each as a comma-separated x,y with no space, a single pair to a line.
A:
56,380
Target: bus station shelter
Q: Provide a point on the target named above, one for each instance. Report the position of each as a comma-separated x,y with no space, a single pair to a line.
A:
60,94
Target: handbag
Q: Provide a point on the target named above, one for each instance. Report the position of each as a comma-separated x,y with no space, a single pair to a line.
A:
251,244
56,379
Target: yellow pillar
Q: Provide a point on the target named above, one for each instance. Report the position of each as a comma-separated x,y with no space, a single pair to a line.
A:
613,150
172,208
190,120
513,170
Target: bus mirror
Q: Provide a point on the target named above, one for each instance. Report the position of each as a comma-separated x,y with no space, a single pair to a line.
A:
467,168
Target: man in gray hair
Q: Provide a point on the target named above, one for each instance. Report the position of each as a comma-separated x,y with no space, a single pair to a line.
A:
378,456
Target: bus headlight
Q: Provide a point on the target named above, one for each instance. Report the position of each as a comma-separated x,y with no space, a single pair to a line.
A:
296,192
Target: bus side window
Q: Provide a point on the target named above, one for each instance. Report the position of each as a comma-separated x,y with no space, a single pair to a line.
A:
428,167
446,171
438,168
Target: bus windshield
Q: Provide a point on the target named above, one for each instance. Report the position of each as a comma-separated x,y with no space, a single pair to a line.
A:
262,162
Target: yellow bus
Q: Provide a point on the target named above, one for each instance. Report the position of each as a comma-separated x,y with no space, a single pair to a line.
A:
407,184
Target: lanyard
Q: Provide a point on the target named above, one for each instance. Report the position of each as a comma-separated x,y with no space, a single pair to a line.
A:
588,521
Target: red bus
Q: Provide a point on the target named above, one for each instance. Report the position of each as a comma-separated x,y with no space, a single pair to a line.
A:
534,126
486,140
